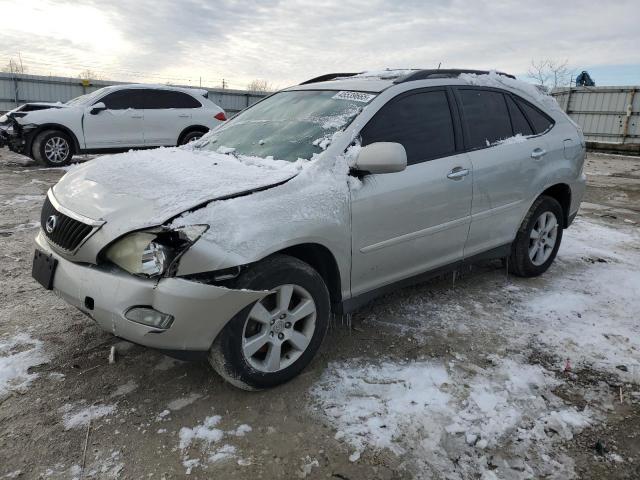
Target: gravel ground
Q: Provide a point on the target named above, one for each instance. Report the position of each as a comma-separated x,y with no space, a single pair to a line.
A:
418,384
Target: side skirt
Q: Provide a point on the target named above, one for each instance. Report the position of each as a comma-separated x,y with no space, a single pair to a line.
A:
354,303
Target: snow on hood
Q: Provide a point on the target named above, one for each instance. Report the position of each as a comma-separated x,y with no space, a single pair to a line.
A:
148,187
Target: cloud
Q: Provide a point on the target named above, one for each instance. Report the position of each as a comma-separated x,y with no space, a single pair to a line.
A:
286,41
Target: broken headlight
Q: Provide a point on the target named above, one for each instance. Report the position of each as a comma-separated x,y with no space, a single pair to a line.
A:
151,253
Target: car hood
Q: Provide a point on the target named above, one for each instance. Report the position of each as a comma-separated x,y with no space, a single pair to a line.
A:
147,188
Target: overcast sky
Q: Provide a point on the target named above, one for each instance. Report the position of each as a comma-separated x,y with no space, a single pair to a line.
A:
288,41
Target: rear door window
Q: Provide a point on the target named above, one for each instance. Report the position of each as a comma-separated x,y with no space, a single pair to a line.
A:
485,117
518,120
539,121
162,99
124,99
421,122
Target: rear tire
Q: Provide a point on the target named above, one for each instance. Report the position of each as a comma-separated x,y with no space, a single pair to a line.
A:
191,137
538,238
272,340
53,148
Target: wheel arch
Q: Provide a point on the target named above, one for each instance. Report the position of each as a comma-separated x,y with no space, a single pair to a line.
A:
562,193
52,126
323,261
192,128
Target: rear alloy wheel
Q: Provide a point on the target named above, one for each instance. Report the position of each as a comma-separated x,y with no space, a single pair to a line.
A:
538,239
272,340
53,148
191,137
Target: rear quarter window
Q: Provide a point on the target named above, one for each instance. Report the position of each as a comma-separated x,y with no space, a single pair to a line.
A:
539,120
160,99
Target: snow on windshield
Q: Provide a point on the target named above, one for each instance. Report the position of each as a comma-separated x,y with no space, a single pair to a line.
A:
288,125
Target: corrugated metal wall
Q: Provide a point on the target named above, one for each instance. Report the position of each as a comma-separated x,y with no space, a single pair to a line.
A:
606,114
16,89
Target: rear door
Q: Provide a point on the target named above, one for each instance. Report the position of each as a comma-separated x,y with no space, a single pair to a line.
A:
120,125
167,114
412,221
501,142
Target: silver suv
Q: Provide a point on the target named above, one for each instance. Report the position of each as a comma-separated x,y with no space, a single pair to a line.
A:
310,203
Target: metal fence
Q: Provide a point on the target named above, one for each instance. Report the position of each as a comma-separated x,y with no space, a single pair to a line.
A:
16,89
609,116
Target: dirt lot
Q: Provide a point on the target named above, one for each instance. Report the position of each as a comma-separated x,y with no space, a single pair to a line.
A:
484,377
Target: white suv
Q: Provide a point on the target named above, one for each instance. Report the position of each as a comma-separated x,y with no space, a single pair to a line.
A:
113,118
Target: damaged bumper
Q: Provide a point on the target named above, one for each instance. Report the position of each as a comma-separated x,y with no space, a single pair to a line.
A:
198,311
15,136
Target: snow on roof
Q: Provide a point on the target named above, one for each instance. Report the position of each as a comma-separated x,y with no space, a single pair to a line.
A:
527,90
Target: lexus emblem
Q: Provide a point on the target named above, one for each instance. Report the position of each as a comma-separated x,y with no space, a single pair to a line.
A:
51,223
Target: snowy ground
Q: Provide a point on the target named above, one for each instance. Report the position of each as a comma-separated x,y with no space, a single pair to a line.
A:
492,377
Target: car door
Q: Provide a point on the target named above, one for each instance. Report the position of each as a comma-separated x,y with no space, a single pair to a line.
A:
120,125
416,220
502,165
166,115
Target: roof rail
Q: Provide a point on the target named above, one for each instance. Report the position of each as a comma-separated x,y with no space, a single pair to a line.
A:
328,76
443,73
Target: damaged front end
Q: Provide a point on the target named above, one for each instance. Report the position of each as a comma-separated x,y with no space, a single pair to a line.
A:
15,136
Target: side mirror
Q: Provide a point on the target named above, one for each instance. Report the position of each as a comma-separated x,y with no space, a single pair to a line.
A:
382,157
96,108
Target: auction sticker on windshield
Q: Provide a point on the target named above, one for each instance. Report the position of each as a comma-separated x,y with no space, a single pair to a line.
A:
353,96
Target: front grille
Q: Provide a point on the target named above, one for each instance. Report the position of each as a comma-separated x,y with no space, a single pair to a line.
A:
68,232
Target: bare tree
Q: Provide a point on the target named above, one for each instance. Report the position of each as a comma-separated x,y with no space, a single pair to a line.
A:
88,74
550,73
259,85
16,65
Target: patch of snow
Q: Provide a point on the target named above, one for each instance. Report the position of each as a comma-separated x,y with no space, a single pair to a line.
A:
208,438
432,413
74,417
206,433
161,416
225,452
17,355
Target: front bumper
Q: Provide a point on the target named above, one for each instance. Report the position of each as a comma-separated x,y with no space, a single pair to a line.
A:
200,311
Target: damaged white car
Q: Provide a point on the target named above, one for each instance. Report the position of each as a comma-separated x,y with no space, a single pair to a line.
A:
313,201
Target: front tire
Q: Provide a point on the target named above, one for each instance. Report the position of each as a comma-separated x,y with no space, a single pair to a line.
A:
273,340
538,238
53,148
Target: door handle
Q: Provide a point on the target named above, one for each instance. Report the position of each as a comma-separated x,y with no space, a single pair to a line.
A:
538,153
184,115
136,115
458,173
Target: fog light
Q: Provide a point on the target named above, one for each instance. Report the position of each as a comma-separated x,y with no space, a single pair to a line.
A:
150,317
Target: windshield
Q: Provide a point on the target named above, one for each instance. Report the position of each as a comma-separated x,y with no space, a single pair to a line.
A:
288,125
88,98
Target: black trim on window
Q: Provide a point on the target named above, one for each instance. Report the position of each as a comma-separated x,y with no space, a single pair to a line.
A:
516,98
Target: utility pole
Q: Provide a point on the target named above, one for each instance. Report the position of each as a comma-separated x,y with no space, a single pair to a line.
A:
224,84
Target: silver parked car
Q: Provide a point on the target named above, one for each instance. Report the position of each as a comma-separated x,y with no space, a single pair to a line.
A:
313,201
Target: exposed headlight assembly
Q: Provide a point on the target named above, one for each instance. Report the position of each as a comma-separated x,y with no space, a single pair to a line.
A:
152,253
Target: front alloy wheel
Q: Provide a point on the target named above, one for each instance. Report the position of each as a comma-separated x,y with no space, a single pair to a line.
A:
279,328
271,341
56,150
